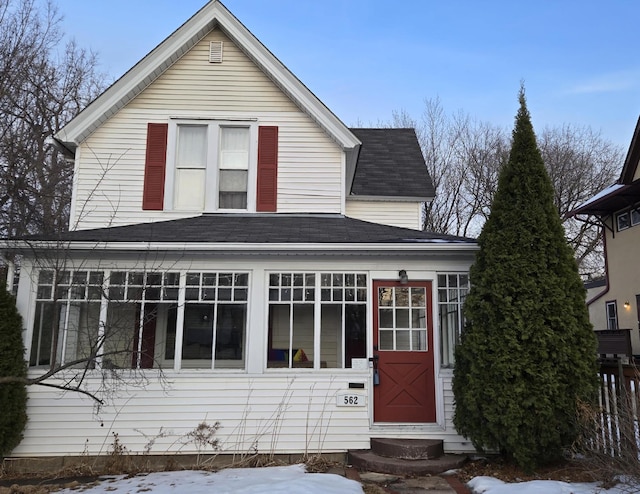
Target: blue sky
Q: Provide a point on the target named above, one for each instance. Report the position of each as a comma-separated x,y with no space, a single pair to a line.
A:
366,58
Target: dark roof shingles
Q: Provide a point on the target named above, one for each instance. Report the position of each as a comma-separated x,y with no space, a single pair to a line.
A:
390,164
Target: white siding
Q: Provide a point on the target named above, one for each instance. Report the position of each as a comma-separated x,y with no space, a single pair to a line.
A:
275,414
109,179
393,213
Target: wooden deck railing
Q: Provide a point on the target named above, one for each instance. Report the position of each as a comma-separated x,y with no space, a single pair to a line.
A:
619,401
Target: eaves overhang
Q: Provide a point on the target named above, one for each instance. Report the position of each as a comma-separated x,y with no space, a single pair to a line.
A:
328,249
612,199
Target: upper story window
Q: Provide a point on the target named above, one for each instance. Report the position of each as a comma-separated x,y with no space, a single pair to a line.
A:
623,220
635,217
628,219
211,166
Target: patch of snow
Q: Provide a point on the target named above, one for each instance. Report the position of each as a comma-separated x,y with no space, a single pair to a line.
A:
601,194
490,485
271,480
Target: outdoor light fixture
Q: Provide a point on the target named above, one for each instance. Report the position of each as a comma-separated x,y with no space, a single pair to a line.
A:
402,276
627,304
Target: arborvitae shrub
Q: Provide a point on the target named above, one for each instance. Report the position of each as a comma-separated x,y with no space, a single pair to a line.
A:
13,396
528,351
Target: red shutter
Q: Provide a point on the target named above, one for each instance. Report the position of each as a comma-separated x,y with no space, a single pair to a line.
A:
267,196
154,167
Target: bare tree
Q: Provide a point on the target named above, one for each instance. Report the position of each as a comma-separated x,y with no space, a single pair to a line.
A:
464,156
70,339
580,163
41,89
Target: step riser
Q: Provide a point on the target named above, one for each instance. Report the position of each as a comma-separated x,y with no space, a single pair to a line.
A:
369,461
407,449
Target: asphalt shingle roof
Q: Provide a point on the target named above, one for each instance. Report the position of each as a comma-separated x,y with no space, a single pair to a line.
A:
390,164
256,229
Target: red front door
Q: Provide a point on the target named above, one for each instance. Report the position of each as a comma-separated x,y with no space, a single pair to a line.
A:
403,345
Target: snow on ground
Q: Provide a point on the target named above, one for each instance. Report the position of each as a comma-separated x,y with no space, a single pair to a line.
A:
294,479
489,485
271,480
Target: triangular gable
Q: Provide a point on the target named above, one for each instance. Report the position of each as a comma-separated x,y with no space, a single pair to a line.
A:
630,168
213,14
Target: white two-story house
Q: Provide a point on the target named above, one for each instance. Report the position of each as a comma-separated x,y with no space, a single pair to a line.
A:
238,255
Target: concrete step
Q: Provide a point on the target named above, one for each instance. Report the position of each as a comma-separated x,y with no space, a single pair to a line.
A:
407,449
372,462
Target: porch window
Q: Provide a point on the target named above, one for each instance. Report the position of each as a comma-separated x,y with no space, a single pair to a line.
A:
452,291
612,314
316,319
140,307
66,317
130,319
215,320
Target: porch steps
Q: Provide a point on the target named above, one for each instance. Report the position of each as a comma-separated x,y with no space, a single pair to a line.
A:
407,457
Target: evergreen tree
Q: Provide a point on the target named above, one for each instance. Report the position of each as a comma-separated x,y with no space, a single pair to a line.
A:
13,396
528,352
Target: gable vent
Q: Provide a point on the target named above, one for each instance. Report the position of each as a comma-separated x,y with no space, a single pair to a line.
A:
215,52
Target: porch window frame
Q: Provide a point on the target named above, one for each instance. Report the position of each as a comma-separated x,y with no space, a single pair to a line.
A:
318,303
446,336
130,293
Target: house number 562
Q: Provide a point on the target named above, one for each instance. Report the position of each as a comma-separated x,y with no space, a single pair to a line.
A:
350,400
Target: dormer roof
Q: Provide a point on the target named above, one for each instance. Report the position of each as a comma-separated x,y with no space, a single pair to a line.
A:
390,165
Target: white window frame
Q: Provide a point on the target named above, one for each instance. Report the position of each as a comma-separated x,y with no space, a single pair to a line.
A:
317,303
620,226
71,298
211,196
635,216
450,336
611,321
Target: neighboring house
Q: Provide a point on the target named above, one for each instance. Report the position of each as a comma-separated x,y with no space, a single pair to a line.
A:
234,233
616,305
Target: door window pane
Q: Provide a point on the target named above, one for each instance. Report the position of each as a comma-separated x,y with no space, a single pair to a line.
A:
386,339
403,341
402,318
